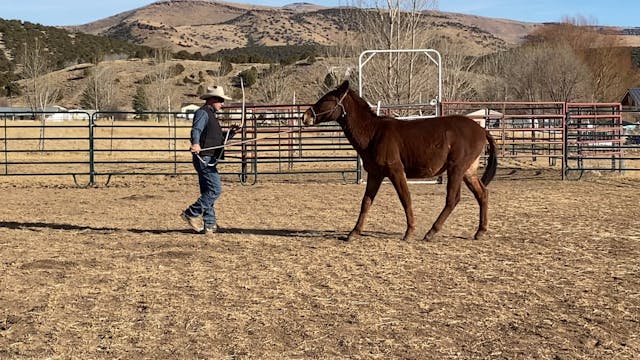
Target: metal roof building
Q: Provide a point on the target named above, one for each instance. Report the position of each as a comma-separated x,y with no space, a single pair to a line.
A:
631,98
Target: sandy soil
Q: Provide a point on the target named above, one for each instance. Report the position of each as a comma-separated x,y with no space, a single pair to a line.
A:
112,272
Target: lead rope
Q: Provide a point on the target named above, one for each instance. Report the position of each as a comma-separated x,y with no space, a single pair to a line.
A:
233,143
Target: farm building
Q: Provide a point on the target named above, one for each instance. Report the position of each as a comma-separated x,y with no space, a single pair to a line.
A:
22,113
631,104
631,98
188,110
488,116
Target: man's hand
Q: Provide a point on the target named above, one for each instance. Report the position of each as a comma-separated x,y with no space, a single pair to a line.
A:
195,148
234,128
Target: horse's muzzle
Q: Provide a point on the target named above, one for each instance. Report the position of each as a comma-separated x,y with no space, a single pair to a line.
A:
308,118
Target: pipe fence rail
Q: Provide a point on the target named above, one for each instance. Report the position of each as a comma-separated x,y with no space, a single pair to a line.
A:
526,133
96,145
92,147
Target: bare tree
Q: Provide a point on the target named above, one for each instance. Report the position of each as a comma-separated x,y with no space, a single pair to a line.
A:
457,70
40,90
101,90
544,72
273,85
394,25
159,90
563,77
608,64
490,81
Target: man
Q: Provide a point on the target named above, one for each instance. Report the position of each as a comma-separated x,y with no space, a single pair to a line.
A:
207,141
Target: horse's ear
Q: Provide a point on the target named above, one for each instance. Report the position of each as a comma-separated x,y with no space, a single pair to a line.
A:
343,87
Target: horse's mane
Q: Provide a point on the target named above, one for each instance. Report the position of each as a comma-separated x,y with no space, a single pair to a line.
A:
361,102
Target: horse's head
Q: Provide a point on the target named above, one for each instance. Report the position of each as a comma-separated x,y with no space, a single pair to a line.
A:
329,107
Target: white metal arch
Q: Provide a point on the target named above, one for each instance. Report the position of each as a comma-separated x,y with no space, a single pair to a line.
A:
432,54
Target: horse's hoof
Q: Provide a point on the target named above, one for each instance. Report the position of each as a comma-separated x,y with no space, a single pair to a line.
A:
428,236
408,233
352,235
478,235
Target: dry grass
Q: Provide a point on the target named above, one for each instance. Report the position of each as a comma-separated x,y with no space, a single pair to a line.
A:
112,272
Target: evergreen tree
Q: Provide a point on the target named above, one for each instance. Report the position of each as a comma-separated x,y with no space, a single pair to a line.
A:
12,89
140,102
248,76
225,67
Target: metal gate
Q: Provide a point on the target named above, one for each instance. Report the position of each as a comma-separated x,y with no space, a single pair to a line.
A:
593,139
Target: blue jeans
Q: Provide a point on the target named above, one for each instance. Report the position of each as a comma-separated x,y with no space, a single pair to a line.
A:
210,190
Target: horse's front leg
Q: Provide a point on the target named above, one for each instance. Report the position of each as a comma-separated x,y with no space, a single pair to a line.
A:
373,185
399,181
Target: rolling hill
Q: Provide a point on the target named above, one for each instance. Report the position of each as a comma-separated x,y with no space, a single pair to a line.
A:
207,26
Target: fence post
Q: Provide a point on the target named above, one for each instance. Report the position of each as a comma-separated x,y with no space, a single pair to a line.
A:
175,145
92,170
565,142
243,154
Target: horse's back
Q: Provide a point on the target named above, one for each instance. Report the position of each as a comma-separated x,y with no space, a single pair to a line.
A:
444,128
459,123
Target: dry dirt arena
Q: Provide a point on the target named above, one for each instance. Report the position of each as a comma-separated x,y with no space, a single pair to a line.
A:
113,273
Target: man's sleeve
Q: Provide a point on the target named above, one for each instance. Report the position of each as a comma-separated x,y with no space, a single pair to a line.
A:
200,118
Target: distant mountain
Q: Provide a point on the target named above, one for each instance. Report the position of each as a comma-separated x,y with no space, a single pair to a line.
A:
207,26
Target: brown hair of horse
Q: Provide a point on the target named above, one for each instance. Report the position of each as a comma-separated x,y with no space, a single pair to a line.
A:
401,149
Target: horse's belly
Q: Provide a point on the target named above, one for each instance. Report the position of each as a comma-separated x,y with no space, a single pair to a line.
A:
419,173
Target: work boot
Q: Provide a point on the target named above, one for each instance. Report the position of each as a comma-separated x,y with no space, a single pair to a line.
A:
193,221
210,229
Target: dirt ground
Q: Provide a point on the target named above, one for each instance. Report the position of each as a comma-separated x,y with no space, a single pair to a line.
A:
112,272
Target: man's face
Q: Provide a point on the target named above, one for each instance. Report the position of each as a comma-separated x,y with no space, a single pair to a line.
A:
217,105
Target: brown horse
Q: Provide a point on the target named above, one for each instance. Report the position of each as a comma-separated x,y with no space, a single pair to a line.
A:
400,149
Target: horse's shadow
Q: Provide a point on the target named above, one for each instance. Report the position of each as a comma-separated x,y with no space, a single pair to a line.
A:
294,233
298,233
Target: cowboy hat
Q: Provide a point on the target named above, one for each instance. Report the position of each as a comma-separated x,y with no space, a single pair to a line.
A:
214,91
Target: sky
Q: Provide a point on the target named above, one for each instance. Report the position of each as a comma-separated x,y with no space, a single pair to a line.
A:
624,13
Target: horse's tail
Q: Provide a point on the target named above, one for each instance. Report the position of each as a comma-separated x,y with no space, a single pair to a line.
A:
492,163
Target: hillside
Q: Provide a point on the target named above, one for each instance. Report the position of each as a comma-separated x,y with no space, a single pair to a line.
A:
129,74
63,48
206,26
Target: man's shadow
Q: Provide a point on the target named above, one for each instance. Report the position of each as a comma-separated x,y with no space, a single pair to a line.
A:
53,226
297,233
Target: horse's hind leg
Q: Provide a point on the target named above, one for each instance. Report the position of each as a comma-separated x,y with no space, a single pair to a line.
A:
454,182
373,185
481,194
